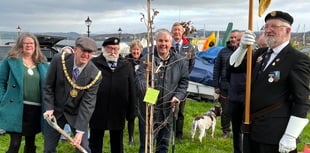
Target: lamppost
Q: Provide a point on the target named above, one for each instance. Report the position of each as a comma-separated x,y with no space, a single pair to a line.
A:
119,32
18,30
88,23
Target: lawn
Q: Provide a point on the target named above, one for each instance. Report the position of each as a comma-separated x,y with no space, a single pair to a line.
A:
209,145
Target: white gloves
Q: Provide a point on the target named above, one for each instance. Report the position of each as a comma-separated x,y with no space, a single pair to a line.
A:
293,130
248,38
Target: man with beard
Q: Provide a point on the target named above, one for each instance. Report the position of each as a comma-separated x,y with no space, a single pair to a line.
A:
221,83
116,98
280,87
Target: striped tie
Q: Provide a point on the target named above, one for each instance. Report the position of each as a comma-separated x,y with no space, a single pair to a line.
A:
76,73
177,47
265,60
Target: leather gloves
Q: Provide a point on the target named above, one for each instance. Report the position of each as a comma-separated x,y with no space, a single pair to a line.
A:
293,130
248,38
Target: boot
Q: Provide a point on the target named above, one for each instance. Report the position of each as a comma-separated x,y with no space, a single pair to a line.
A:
226,135
131,142
31,149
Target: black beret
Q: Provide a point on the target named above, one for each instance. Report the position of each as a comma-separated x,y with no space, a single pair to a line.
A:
86,44
280,15
111,41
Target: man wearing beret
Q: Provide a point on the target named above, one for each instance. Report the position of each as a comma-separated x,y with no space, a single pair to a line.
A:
116,97
280,87
70,93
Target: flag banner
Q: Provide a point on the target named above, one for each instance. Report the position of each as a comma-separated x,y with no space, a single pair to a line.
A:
263,5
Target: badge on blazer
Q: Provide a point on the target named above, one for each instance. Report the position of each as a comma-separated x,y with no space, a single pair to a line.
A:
259,59
274,76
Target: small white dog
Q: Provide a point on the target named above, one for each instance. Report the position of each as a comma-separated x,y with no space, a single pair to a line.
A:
205,122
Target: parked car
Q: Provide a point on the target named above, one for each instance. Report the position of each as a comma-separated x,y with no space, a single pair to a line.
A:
47,45
3,50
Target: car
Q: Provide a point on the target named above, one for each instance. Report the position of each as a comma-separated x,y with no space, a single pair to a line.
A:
47,45
3,50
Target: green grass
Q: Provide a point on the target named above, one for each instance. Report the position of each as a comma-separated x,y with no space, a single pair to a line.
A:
209,145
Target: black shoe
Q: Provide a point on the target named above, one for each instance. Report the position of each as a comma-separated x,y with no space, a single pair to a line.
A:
179,137
131,142
226,135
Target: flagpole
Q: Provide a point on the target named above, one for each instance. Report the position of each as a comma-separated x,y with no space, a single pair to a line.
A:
246,124
248,70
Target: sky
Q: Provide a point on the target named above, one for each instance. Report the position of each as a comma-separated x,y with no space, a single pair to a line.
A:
108,15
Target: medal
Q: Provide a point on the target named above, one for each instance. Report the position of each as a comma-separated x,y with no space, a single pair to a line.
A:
73,93
30,71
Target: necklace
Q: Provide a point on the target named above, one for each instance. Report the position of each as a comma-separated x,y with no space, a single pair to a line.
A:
74,91
29,70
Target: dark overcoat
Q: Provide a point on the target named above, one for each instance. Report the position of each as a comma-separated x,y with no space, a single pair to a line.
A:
116,95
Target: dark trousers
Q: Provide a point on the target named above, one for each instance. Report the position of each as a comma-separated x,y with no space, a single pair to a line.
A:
142,135
96,141
51,137
131,129
162,137
237,109
256,147
225,117
180,120
15,141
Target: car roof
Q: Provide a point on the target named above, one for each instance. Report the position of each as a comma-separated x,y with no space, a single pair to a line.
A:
48,40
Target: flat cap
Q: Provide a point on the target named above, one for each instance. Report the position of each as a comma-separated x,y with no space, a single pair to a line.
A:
281,16
111,41
86,44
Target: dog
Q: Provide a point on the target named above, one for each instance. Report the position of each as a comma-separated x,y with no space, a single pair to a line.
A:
205,122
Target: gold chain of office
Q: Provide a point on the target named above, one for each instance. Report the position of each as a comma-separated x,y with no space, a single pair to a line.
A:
72,83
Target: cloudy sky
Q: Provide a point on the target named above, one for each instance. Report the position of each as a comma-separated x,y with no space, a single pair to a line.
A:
108,15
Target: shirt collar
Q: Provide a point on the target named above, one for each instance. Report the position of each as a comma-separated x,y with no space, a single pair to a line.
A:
278,49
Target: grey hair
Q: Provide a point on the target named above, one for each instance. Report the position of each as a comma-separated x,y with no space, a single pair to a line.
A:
163,31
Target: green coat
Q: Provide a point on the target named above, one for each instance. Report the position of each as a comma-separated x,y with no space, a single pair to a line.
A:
11,93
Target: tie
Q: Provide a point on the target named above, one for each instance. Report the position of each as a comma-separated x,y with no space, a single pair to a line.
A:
265,60
112,64
76,73
177,47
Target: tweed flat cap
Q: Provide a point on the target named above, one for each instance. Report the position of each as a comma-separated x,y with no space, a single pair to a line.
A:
111,41
86,44
280,15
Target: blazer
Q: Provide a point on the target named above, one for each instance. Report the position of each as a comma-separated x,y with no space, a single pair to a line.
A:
11,92
78,110
285,79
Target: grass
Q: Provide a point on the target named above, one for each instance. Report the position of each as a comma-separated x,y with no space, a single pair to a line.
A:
209,145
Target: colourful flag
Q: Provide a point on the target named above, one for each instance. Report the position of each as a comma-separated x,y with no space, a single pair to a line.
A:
263,5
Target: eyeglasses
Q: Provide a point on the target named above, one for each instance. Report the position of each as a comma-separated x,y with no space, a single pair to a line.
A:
28,43
112,48
272,27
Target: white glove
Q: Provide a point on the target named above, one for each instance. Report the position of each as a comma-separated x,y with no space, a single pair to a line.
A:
294,128
248,38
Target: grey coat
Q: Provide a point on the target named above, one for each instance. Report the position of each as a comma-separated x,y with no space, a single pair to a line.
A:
171,80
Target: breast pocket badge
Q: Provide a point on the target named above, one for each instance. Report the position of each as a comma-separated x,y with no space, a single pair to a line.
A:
274,76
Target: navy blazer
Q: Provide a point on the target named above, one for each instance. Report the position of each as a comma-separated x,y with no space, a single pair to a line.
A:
285,79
